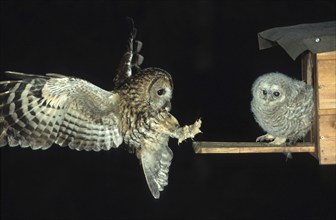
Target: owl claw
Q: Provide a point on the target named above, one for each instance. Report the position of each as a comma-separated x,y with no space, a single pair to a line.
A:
278,141
273,140
196,127
189,131
266,137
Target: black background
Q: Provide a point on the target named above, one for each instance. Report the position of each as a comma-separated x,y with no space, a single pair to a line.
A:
211,50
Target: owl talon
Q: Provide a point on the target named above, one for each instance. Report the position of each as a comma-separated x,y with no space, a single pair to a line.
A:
278,141
189,131
195,128
266,137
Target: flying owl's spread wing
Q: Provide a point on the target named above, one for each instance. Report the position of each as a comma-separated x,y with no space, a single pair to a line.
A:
131,60
37,111
155,164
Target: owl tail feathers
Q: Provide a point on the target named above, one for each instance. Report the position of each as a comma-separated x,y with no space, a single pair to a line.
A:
131,60
134,46
288,155
155,165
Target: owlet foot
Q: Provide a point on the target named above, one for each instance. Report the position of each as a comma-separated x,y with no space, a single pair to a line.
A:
266,137
278,141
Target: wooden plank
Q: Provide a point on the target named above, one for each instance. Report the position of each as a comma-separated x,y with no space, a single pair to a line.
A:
204,147
331,111
326,71
331,55
308,72
325,79
327,139
307,68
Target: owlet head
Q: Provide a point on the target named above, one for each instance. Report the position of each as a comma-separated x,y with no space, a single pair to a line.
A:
270,89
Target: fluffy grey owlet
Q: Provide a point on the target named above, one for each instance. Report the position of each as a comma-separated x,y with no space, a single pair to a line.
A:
283,107
37,111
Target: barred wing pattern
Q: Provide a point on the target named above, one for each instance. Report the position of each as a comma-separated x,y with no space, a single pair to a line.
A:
37,111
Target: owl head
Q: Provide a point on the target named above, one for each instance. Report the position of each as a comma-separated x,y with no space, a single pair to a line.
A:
160,89
271,88
151,87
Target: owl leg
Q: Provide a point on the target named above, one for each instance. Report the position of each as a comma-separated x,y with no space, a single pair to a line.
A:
187,131
266,137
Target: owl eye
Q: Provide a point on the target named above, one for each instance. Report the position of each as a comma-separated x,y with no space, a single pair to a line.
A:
264,92
276,94
160,92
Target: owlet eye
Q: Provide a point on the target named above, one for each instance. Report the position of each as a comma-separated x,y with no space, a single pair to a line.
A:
264,92
276,94
160,92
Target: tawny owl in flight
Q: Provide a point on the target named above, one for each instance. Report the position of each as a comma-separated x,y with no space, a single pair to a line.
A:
283,107
37,111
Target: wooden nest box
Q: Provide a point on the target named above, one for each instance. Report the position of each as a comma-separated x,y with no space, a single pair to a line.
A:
316,45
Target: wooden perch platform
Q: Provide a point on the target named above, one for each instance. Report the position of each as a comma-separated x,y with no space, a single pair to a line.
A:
204,147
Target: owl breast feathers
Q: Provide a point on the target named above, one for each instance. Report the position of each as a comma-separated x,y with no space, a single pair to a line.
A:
37,111
283,107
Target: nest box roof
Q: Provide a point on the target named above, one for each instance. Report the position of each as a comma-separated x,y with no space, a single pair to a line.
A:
315,37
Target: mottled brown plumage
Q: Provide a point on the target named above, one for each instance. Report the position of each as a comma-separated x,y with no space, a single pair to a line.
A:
37,111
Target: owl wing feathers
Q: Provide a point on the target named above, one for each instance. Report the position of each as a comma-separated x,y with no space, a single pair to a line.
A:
155,164
131,60
37,111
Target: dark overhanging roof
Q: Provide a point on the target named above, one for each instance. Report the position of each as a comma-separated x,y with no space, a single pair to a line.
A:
315,37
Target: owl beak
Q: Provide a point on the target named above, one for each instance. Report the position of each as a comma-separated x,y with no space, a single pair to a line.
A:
167,106
268,99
